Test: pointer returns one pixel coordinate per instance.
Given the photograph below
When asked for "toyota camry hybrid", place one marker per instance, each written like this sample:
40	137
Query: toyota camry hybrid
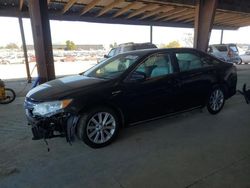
126	89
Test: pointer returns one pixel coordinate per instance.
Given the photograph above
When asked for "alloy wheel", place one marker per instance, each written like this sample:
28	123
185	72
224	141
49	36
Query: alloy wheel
101	127
216	100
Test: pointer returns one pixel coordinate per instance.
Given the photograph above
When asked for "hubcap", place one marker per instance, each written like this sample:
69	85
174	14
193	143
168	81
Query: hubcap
216	100
101	127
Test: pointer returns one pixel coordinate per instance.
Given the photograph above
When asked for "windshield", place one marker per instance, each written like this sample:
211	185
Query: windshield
113	67
234	48
222	48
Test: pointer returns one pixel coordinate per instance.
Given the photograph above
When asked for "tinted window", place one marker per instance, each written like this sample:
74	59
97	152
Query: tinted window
188	61
210	50
144	46
112	67
156	65
234	48
127	48
208	61
222	48
112	52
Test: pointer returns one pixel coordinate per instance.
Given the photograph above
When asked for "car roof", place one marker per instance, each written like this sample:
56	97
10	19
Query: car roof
229	44
135	44
156	50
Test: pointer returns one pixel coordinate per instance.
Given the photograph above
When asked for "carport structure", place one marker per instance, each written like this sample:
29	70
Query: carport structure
202	15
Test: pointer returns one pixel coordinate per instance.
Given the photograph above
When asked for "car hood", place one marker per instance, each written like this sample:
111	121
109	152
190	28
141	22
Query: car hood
60	88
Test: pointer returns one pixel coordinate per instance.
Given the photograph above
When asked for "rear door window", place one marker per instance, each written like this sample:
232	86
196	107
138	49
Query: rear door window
188	61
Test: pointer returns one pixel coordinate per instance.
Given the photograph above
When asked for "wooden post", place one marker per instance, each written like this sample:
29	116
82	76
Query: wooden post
42	40
24	49
204	18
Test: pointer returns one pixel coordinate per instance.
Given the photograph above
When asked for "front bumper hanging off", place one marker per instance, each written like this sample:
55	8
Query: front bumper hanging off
58	125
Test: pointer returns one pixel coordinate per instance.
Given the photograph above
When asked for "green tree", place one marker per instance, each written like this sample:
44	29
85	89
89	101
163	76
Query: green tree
70	45
173	44
11	46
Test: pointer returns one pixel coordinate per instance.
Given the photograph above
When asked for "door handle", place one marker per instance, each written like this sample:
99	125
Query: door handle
116	92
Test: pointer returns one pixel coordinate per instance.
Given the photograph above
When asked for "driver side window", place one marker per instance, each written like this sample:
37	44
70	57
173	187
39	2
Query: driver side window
156	66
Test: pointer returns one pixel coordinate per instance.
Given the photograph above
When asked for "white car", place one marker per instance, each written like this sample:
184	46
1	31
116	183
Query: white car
14	59
226	52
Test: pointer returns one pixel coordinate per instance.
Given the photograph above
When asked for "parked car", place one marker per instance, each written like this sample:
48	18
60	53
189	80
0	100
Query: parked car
126	47
247	52
129	88
14	59
226	52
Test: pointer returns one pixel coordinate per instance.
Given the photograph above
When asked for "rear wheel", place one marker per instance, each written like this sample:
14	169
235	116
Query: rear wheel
239	62
10	96
99	127
216	100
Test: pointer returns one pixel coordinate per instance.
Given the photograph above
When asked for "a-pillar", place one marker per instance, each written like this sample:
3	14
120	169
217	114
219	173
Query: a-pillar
42	40
204	18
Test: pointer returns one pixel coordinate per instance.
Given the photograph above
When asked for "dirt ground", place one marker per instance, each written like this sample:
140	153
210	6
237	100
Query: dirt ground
193	149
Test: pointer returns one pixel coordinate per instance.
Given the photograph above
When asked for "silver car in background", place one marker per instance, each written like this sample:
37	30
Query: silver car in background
226	52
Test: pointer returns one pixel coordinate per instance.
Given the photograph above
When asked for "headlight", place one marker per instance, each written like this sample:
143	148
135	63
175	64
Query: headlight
50	108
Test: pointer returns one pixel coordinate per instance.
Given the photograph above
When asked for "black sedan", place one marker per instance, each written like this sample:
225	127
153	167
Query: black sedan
127	89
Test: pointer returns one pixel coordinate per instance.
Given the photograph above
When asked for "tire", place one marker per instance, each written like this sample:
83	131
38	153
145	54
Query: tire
10	96
216	100
96	134
240	62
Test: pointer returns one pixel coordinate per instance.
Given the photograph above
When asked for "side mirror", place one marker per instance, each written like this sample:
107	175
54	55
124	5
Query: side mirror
137	76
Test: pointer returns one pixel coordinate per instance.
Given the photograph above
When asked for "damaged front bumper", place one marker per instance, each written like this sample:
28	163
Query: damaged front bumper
62	124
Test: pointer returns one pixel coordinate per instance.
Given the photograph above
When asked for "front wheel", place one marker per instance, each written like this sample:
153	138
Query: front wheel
239	62
10	96
99	127
216	100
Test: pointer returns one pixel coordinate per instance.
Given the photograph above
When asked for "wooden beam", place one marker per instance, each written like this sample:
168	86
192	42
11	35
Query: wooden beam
174	11
239	20
242	24
179	15
88	7
21	5
109	7
141	10
125	9
157	11
236	23
224	17
228	19
219	15
68	5
188	20
183	18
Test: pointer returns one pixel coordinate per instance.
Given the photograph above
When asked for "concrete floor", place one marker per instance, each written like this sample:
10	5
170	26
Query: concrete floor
193	149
